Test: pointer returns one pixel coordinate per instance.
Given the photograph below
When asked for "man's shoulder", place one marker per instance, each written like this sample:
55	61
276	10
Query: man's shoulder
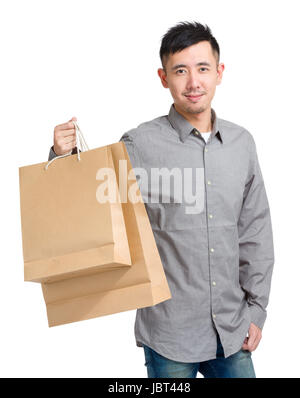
153	126
235	131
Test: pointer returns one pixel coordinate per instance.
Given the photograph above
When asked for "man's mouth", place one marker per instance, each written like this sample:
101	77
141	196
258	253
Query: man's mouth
194	97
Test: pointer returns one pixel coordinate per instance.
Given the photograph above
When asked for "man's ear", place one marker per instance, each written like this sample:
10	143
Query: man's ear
221	68
163	77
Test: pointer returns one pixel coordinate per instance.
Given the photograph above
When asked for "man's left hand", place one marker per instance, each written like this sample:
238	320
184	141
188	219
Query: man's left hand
251	342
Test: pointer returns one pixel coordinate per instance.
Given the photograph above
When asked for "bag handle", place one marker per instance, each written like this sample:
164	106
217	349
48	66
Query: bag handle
80	142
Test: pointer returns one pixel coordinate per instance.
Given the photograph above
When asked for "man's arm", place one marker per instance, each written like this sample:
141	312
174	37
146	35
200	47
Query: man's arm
131	148
255	242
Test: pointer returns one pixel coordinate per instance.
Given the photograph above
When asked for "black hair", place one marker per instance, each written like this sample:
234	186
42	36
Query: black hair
184	35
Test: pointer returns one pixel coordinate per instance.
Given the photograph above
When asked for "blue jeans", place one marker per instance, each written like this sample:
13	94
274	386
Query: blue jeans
236	365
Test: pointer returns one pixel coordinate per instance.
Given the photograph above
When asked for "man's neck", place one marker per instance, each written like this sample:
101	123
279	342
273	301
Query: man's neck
201	121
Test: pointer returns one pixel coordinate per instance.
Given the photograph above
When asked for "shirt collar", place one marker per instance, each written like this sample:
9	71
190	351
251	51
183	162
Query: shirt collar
185	128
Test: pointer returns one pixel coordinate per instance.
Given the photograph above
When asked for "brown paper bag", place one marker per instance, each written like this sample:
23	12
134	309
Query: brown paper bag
65	231
88	295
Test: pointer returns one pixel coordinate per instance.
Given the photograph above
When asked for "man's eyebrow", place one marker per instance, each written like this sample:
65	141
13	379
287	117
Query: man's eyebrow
185	66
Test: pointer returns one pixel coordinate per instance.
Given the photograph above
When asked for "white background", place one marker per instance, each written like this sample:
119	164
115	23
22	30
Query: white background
98	61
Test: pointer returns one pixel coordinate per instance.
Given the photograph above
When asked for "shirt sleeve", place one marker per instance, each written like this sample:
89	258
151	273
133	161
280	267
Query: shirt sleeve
131	149
256	251
52	154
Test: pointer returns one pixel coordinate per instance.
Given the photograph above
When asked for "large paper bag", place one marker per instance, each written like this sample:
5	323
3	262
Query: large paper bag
89	295
65	230
141	285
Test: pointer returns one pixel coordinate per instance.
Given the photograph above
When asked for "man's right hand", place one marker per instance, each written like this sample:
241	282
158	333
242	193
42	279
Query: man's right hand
64	137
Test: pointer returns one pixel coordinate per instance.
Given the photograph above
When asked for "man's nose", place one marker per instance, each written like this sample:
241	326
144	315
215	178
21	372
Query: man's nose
193	81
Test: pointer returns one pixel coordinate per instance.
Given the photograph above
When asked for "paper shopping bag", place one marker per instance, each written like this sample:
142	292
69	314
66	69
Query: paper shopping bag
143	284
65	230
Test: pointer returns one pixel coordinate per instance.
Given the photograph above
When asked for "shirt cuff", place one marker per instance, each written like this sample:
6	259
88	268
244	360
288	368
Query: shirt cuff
258	315
52	154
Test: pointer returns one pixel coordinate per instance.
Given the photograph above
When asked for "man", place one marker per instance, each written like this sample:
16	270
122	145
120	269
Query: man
218	261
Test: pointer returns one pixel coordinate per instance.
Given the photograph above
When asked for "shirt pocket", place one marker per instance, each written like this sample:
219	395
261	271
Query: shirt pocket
174	216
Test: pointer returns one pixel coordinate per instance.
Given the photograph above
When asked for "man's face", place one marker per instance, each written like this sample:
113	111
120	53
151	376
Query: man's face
192	72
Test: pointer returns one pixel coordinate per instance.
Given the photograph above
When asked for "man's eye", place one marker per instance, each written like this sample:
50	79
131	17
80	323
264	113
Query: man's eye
182	70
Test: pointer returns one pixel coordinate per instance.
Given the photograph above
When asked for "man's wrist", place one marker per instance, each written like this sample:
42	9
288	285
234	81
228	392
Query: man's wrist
257	315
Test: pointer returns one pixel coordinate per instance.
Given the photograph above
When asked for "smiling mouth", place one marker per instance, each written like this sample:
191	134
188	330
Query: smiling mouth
194	97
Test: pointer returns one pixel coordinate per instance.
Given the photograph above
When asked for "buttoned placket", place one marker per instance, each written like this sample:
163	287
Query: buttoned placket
209	217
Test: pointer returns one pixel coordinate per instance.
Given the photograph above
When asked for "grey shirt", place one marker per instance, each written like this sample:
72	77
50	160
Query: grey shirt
218	261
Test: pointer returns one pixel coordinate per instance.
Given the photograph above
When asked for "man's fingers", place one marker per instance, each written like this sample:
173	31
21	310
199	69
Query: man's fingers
251	342
69	146
245	345
251	339
66	133
69	139
65	137
256	342
65	126
68	125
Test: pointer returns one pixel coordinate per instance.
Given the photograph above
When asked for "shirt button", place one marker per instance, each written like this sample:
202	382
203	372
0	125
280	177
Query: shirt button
196	132
214	315
214	283
212	250
210	216
208	182
206	150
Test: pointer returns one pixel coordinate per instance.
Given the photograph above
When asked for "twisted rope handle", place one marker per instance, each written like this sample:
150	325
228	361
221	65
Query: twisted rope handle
80	142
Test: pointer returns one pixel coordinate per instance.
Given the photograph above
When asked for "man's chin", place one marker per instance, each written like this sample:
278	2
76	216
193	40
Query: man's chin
191	109
194	110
